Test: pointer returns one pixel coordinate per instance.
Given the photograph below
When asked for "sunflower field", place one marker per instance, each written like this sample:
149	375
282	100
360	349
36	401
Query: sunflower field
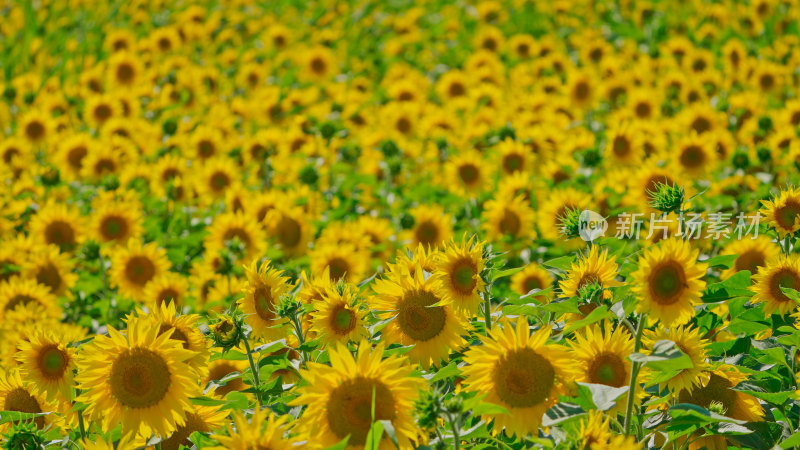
397	224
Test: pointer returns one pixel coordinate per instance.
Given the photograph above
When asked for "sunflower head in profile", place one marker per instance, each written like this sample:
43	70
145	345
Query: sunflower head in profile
46	361
338	316
767	283
265	286
140	380
783	212
16	395
431	226
690	341
669	282
346	397
595	267
521	372
135	265
719	387
458	272
409	301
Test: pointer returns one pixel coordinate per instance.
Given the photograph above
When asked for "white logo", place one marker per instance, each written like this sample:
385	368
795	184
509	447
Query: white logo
591	225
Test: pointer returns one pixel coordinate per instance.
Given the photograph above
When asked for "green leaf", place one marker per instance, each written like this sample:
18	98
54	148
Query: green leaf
14	416
341	445
791	293
724	261
562	263
775	398
200	440
560	413
693	414
488	408
792	441
447	371
597	315
736	286
603	397
496	275
374	435
236	400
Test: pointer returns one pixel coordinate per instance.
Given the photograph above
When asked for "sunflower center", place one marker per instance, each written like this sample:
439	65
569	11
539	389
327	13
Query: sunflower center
403	125
427	233
61	234
667	283
581	91
350	408
468	173
510	223
289	233
343	319
417	319
338	268
318	66
766	81
701	125
113	227
140	270
48	275
75	156
718	390
219	372
786	215
587	279
102	113
238	233
456	89
205	148
622	146
194	422
513	162
750	260
219	181
35	130
692	157
168	295
20	400
608	369
786	278
125	73
643	110
177	334
532	283
262	301
139	378
523	378
19	299
52	361
462	277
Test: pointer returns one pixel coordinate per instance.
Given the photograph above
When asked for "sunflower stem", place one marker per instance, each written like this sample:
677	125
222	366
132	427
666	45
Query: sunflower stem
253	368
637	343
487	312
81	425
454	426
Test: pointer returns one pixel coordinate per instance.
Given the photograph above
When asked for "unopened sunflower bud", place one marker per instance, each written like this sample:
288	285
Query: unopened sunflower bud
569	223
666	198
227	332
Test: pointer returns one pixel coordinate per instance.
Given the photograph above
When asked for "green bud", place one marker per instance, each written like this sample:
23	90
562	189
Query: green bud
666	198
569	222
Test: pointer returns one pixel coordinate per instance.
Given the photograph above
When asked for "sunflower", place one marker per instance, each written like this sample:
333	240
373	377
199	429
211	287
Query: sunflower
203	419
184	330
458	273
380	233
407	262
222	368
139	379
408	300
264	430
580	89
431	226
16	395
290	229
783	272
116	222
47	363
783	213
100	108
205	142
514	157
690	342
124	69
519	371
343	399
58	224
508	217
596	267
602	357
554	207
695	155
134	266
166	288
344	261
751	255
669	282
35	127
465	173
719	387
265	286
624	148
595	434
229	226
51	268
18	293
533	276
338	317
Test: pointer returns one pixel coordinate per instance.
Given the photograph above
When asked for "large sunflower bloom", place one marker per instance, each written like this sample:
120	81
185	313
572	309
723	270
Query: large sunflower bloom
782	273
